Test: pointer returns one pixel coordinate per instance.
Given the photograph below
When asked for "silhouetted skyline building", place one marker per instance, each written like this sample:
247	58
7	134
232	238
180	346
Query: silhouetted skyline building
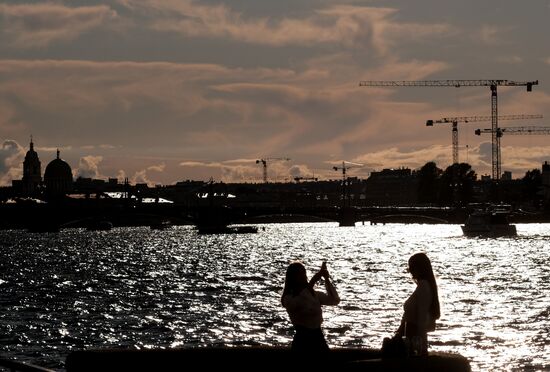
392	187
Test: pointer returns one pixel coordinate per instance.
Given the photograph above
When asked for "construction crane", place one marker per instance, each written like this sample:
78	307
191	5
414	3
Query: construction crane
528	130
471	119
343	168
264	163
493	84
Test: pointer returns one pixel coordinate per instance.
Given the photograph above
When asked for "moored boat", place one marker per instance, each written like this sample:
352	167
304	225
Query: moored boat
489	223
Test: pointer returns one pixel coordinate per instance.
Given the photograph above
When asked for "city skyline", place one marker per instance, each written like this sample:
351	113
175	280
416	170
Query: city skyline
163	91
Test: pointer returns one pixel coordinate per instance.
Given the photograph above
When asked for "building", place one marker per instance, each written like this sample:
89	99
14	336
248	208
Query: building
391	187
506	176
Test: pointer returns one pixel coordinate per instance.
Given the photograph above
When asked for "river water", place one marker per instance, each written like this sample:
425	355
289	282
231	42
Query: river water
142	288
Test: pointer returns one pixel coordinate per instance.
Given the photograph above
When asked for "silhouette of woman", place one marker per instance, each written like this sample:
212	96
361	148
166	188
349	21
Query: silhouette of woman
303	304
421	309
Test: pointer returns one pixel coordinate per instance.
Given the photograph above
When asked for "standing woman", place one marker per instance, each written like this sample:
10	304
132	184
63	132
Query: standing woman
303	304
422	307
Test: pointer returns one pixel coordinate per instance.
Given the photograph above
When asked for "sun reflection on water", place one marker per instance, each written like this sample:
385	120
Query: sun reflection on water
173	288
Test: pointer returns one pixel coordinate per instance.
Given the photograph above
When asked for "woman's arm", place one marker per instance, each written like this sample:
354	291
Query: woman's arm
323	272
331	296
314	279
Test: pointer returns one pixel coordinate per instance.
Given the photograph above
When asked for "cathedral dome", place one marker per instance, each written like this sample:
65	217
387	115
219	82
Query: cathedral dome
58	168
58	176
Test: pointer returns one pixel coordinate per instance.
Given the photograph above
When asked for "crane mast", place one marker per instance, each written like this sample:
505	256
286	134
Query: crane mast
493	84
264	164
471	119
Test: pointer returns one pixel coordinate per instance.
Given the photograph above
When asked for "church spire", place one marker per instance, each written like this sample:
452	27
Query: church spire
58	153
32	144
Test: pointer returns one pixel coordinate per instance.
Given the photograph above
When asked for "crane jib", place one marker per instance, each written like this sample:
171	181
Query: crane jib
446	83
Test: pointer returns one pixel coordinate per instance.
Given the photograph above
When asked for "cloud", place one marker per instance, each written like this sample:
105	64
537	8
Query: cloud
11	162
144	176
239	173
192	20
396	158
189	101
237	170
301	171
88	167
351	26
102	85
38	25
519	159
121	175
245	170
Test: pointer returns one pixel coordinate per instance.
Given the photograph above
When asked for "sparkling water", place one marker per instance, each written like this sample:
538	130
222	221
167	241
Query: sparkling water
142	288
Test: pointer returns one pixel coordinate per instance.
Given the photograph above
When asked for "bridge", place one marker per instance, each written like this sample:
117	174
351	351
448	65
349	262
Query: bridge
45	217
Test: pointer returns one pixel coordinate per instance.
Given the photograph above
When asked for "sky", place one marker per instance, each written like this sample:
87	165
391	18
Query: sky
161	91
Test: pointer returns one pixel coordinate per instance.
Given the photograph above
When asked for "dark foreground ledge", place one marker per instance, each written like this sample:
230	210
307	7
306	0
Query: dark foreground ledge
256	359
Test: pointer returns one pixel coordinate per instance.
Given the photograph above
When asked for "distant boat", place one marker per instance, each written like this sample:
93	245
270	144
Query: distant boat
489	223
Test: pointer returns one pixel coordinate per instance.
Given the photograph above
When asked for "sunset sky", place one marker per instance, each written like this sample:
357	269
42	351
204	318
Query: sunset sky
161	91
